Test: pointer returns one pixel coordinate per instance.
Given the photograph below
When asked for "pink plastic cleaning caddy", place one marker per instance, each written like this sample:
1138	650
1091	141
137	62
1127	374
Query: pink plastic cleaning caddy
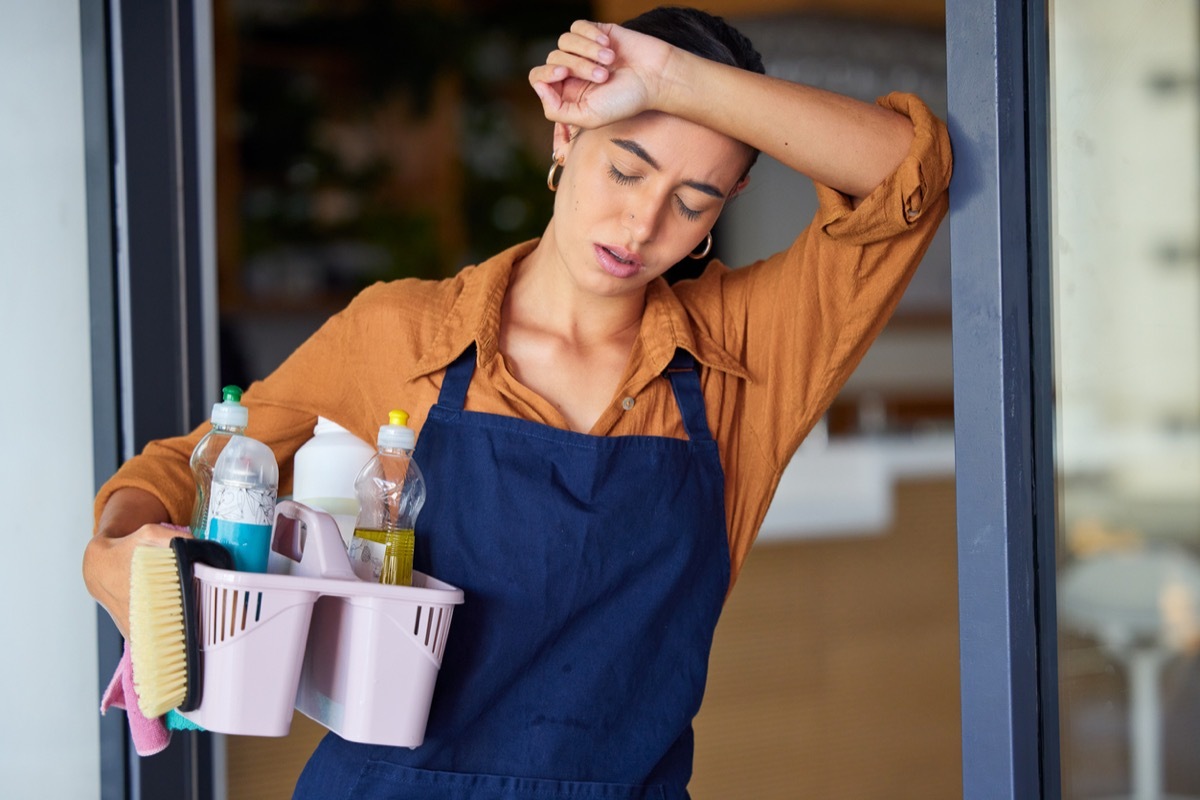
359	658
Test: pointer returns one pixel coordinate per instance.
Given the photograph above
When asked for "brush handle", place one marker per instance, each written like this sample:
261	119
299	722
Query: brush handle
188	553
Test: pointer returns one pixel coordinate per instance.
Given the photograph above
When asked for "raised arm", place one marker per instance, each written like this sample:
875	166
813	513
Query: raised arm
601	73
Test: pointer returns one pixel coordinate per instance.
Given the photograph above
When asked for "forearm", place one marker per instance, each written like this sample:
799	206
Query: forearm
127	510
838	141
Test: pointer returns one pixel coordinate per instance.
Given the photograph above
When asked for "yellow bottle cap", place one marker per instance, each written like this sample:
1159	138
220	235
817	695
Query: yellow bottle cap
396	434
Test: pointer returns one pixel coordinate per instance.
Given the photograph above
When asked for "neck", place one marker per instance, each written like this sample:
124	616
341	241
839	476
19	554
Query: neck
544	294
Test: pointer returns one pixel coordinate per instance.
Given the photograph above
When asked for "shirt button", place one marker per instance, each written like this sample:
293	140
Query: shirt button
627	403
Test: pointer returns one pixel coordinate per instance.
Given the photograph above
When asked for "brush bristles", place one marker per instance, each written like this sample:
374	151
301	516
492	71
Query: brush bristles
157	640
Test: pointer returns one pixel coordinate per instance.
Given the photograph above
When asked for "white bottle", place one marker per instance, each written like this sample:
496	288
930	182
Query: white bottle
325	468
242	510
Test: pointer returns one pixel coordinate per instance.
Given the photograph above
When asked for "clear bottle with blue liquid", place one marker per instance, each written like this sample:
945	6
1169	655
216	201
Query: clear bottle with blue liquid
241	510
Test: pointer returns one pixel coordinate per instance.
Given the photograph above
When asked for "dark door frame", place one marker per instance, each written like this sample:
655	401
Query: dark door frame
149	332
997	79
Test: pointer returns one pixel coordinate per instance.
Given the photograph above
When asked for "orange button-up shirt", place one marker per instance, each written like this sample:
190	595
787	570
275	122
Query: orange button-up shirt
775	341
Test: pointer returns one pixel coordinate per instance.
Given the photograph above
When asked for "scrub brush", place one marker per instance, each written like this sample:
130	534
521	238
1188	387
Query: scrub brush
163	623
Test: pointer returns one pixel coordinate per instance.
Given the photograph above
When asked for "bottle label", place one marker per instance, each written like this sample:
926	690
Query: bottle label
240	517
366	556
239	503
383	556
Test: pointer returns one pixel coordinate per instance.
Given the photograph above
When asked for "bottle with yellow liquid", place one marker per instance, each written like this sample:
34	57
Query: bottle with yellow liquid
391	491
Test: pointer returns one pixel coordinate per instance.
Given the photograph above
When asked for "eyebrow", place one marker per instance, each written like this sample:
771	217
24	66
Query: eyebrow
636	149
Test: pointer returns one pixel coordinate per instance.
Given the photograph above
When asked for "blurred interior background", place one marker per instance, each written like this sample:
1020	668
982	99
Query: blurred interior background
380	139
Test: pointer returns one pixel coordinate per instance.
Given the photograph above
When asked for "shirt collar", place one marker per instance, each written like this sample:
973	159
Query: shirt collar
474	317
666	326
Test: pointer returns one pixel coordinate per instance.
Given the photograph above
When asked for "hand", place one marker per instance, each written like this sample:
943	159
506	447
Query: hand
113	560
601	73
131	518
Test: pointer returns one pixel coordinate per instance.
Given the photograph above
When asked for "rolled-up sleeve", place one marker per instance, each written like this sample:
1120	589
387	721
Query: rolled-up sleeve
901	201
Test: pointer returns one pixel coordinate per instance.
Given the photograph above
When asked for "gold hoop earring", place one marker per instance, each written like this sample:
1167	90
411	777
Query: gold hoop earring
555	175
705	251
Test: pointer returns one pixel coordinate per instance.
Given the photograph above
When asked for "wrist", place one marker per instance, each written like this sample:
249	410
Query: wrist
96	568
676	83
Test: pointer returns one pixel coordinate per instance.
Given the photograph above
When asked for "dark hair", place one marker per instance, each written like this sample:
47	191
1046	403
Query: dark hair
700	33
703	34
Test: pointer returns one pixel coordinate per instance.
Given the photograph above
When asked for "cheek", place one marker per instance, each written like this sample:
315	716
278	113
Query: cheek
585	201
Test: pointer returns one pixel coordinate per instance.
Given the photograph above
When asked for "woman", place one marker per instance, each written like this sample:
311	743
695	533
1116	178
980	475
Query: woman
600	447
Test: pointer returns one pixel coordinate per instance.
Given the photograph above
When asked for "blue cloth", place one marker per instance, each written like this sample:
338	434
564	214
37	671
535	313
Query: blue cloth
594	570
178	722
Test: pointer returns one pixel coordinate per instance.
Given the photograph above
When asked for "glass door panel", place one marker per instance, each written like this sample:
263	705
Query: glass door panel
1125	167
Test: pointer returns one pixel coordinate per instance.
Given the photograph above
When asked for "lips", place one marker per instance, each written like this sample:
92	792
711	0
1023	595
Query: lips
617	261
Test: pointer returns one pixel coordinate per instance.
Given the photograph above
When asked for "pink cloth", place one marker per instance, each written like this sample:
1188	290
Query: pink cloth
150	736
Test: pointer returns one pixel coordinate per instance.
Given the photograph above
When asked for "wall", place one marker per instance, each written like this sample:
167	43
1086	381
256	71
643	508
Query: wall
49	745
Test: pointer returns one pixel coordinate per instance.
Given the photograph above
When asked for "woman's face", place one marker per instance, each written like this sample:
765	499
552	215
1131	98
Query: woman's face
637	196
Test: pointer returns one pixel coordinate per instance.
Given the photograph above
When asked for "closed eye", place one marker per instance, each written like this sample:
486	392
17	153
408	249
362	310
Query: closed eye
620	177
690	214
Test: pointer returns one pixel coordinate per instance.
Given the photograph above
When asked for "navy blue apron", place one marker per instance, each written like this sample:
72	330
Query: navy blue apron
594	570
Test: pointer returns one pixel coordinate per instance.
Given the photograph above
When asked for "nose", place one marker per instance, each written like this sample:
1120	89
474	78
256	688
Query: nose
643	215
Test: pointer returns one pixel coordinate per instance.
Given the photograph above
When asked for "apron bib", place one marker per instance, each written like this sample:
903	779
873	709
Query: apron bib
594	570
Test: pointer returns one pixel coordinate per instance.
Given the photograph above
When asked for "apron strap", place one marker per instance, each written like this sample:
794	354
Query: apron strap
456	380
685	381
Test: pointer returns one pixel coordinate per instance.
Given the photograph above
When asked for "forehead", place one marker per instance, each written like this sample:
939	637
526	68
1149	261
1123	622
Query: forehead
681	148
